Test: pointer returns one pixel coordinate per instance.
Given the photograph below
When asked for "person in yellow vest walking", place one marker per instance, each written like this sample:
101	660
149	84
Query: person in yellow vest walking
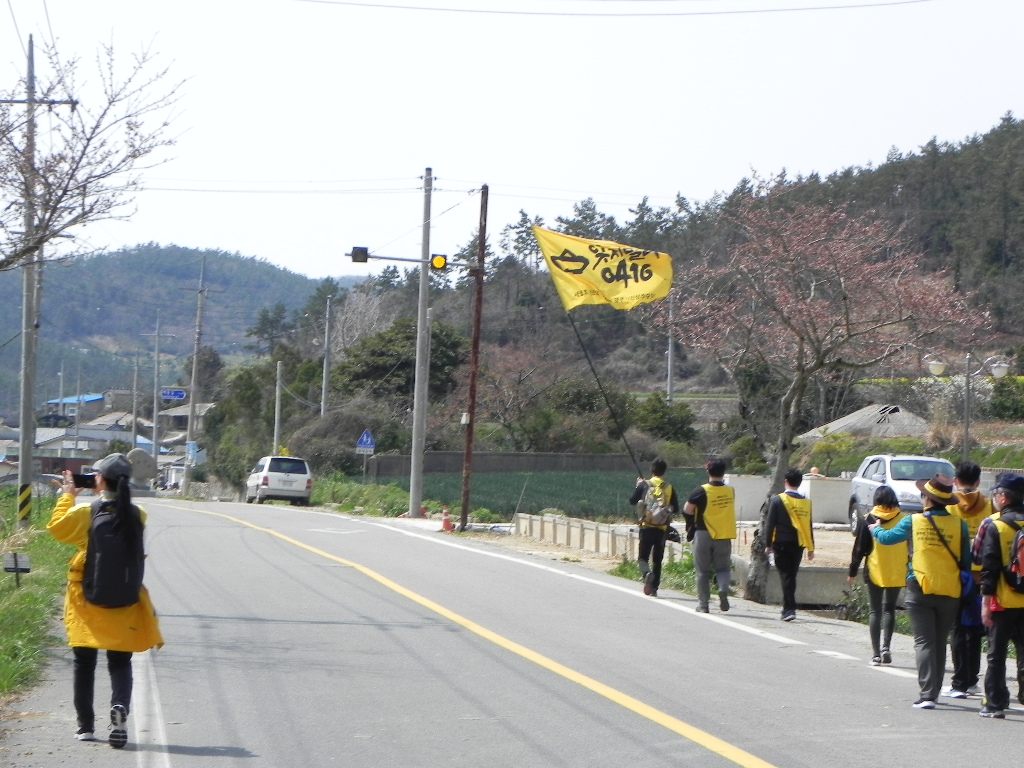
885	571
1002	606
710	514
788	532
965	645
939	551
656	504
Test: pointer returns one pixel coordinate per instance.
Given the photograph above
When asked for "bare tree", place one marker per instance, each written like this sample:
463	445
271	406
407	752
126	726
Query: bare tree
90	154
804	292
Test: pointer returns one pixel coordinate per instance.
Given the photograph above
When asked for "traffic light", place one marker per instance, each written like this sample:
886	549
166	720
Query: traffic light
438	261
360	255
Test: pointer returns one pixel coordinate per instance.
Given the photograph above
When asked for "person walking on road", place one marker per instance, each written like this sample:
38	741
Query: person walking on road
965	644
939	551
885	571
1002	607
710	514
92	627
788	532
656	504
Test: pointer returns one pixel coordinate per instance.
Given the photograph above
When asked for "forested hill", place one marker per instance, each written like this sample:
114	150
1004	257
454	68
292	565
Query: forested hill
108	302
962	203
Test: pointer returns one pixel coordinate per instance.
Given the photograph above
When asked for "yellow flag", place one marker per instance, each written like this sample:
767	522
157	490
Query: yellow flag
603	272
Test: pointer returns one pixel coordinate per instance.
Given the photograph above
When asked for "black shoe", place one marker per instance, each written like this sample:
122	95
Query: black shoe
649	584
118	733
723	602
788	615
995	714
702	608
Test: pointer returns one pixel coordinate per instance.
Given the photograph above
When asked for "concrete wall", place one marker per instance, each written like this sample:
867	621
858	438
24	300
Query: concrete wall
829	495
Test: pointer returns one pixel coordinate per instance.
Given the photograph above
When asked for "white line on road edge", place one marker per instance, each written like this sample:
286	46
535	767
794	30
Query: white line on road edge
631	591
838	655
148	716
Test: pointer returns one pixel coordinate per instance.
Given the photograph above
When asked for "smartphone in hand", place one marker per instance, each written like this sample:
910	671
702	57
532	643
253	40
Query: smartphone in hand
84	481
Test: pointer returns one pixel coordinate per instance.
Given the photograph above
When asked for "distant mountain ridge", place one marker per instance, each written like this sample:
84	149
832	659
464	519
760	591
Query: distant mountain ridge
108	304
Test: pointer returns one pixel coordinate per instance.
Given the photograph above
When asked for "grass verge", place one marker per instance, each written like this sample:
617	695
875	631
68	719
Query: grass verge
27	612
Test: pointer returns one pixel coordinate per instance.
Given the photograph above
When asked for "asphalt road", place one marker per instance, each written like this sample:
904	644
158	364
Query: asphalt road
298	637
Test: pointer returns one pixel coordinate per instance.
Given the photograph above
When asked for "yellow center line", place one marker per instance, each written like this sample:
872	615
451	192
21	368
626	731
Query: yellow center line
712	743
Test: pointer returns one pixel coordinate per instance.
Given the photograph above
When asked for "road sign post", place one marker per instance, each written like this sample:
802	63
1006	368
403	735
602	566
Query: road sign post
365	447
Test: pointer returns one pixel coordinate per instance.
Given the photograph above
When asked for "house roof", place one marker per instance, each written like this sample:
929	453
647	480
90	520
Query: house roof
74	399
873	421
121	419
182	410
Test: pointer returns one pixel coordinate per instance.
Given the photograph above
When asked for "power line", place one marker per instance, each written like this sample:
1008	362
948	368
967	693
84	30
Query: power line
655	14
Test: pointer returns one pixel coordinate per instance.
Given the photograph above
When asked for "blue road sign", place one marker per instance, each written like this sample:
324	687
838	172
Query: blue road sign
173	394
366	444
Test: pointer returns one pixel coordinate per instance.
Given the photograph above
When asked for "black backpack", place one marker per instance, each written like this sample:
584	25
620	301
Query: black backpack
114	558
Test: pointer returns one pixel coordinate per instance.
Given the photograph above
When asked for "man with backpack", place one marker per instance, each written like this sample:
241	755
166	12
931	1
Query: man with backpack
105	606
788	532
710	513
656	504
1002	588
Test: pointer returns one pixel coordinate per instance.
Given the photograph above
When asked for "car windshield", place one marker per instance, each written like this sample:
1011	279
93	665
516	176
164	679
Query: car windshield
292	466
919	469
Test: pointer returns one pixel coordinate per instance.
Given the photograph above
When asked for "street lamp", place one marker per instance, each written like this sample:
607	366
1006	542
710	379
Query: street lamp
997	366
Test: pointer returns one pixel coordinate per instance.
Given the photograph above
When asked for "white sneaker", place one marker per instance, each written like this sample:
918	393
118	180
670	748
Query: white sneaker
924	704
84	735
118	732
952	693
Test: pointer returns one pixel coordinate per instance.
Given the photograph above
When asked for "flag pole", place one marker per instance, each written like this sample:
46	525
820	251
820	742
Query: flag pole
607	402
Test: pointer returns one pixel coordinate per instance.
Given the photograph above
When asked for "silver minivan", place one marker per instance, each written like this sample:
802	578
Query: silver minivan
285	478
900	473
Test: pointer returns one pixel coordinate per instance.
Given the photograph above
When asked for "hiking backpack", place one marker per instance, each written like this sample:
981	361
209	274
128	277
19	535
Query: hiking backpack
1014	572
113	560
656	504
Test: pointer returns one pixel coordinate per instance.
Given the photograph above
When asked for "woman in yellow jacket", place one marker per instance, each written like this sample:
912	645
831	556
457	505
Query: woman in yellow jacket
885	571
118	631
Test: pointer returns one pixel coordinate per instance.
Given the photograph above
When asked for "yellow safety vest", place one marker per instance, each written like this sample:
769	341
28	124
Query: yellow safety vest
973	519
800	515
887	563
935	570
720	513
1008	598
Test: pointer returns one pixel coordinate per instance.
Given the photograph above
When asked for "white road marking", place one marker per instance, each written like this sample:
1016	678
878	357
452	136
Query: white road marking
896	672
147	716
838	655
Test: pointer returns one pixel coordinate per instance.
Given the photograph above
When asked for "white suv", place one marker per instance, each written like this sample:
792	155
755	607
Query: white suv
285	478
900	473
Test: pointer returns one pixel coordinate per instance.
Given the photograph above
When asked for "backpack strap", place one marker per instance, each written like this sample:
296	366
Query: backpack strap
942	538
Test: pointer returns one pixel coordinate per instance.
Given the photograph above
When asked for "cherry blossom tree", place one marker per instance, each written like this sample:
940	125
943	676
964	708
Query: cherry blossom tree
803	292
84	165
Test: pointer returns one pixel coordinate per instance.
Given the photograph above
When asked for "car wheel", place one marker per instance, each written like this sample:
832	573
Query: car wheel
854	519
259	499
249	499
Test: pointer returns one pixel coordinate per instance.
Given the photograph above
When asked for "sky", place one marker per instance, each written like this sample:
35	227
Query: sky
304	127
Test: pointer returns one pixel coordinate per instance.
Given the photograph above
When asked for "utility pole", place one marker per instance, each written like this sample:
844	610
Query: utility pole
78	400
277	412
60	404
156	392
327	360
135	403
193	391
32	272
419	407
474	360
